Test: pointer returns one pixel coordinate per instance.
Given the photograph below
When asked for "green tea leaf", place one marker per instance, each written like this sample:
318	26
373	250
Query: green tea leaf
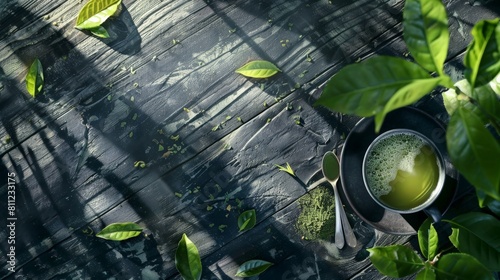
288	169
252	268
365	88
474	151
395	260
120	231
482	59
428	239
187	259
477	234
34	78
425	31
426	274
405	96
95	12
100	32
247	220
459	266
258	69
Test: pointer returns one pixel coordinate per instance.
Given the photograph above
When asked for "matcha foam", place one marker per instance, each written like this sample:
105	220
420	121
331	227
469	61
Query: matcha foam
396	152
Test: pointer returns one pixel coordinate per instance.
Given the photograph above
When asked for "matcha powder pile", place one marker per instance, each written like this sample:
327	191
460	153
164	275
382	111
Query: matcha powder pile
317	214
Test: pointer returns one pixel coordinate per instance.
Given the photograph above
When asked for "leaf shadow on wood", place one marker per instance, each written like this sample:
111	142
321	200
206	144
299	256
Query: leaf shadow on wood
124	37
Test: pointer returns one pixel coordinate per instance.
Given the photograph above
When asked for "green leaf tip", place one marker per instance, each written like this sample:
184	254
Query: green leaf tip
120	231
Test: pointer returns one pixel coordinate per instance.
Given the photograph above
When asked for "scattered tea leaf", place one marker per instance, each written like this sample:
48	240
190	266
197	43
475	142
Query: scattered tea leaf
120	231
247	220
258	69
95	12
187	259
252	268
288	169
160	148
140	164
34	78
222	228
178	194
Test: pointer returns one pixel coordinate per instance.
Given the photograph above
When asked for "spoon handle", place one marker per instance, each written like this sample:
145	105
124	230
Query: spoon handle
350	238
348	232
339	235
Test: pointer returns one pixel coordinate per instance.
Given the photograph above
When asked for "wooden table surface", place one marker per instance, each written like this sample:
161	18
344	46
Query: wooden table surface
163	90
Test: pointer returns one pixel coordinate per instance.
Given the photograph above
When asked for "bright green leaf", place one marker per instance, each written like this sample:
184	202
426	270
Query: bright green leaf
95	12
100	32
425	30
482	58
187	259
120	231
474	151
428	239
396	260
258	69
406	95
477	234
34	78
459	266
365	88
247	220
426	274
252	268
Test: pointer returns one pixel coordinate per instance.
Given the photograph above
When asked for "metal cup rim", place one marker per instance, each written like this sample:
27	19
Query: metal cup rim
442	175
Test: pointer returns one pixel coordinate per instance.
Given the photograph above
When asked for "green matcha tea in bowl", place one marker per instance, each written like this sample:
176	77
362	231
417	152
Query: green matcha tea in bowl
403	171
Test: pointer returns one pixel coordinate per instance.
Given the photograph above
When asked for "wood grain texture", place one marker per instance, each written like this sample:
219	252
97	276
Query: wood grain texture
163	90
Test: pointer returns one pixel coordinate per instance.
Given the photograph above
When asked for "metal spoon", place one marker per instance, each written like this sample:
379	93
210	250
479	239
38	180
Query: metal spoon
331	171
